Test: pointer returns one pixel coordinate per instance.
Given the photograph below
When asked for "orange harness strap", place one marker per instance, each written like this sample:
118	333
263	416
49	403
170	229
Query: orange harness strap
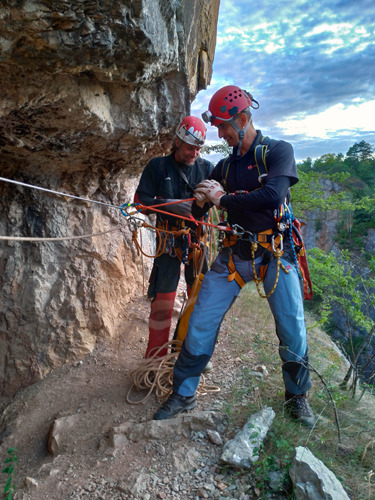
234	274
264	239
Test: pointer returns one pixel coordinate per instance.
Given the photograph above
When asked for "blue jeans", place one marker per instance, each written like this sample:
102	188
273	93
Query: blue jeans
216	296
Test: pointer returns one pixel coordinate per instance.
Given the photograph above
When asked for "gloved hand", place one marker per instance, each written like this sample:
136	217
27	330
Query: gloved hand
209	190
182	208
200	198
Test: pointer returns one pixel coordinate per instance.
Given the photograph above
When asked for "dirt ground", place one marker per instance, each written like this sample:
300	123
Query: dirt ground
93	392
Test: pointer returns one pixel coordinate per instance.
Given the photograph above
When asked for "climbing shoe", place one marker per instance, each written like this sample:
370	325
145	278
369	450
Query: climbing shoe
174	405
298	408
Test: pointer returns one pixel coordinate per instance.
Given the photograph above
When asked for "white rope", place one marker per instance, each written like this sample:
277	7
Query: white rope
58	193
21	238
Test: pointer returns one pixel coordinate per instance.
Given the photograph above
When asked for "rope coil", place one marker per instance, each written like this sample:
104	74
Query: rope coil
155	374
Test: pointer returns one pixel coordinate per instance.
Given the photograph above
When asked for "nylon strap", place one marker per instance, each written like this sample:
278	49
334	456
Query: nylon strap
260	152
234	274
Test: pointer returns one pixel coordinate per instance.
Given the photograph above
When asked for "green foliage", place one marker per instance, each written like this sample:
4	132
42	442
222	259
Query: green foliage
222	148
276	457
309	183
341	286
9	470
360	151
355	200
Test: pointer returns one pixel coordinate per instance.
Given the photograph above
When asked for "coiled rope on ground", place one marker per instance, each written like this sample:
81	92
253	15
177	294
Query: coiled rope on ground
155	374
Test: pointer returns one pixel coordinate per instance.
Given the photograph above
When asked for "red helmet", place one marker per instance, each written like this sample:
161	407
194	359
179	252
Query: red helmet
192	130
226	103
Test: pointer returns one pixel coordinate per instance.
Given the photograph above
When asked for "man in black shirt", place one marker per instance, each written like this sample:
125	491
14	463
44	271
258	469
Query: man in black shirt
166	179
254	190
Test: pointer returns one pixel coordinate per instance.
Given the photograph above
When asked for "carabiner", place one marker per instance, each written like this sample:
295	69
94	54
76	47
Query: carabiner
238	230
281	243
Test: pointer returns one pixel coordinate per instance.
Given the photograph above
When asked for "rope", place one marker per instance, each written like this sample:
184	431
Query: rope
122	208
136	222
59	193
162	241
258	280
21	238
190	219
156	374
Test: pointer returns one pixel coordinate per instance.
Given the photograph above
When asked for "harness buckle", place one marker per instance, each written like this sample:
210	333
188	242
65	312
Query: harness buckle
281	226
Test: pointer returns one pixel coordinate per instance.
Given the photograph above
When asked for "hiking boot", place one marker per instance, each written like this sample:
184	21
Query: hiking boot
299	409
208	367
174	405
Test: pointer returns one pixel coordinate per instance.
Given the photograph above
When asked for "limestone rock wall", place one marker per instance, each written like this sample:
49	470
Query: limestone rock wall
90	91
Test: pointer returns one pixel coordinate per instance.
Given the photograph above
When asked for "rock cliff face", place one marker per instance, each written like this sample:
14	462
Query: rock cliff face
90	91
321	229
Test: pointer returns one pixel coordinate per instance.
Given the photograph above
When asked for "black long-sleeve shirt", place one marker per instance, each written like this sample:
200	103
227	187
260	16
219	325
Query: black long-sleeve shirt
254	210
161	181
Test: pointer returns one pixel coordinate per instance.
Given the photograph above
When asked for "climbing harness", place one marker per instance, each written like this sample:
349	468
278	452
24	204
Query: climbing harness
272	243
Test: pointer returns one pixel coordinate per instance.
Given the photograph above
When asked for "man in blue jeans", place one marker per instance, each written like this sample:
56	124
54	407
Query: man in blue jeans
252	195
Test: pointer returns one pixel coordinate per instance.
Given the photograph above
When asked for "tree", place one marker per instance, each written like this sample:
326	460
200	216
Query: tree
344	288
305	165
222	148
360	151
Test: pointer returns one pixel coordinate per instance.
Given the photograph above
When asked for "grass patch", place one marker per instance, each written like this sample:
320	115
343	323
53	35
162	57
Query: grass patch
350	454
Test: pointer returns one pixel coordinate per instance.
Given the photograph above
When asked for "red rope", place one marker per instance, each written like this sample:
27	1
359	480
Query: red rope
190	219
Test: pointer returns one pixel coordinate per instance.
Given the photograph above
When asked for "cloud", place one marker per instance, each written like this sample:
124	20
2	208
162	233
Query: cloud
351	119
310	65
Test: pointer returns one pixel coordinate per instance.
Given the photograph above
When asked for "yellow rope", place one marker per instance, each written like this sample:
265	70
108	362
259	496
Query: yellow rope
156	374
277	254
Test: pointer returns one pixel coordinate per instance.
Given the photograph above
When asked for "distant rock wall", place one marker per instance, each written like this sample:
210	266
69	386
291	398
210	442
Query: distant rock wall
90	91
321	229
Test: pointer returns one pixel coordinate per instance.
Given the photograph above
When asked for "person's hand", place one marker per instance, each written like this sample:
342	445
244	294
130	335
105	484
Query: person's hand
209	190
200	198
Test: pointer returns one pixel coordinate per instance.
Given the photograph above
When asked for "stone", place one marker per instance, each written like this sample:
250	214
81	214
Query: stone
156	430
312	480
214	437
31	483
136	483
243	450
60	433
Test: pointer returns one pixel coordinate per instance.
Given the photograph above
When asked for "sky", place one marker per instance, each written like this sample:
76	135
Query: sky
310	65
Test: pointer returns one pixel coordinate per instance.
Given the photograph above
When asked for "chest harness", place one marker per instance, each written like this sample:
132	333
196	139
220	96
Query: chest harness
271	240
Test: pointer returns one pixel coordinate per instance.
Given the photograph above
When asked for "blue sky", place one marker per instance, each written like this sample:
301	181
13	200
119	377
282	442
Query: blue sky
310	65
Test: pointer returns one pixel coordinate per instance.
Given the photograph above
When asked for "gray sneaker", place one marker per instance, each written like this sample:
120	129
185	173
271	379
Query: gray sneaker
298	408
174	405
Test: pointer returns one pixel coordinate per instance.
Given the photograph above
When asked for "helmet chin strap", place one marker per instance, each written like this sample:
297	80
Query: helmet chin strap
241	134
